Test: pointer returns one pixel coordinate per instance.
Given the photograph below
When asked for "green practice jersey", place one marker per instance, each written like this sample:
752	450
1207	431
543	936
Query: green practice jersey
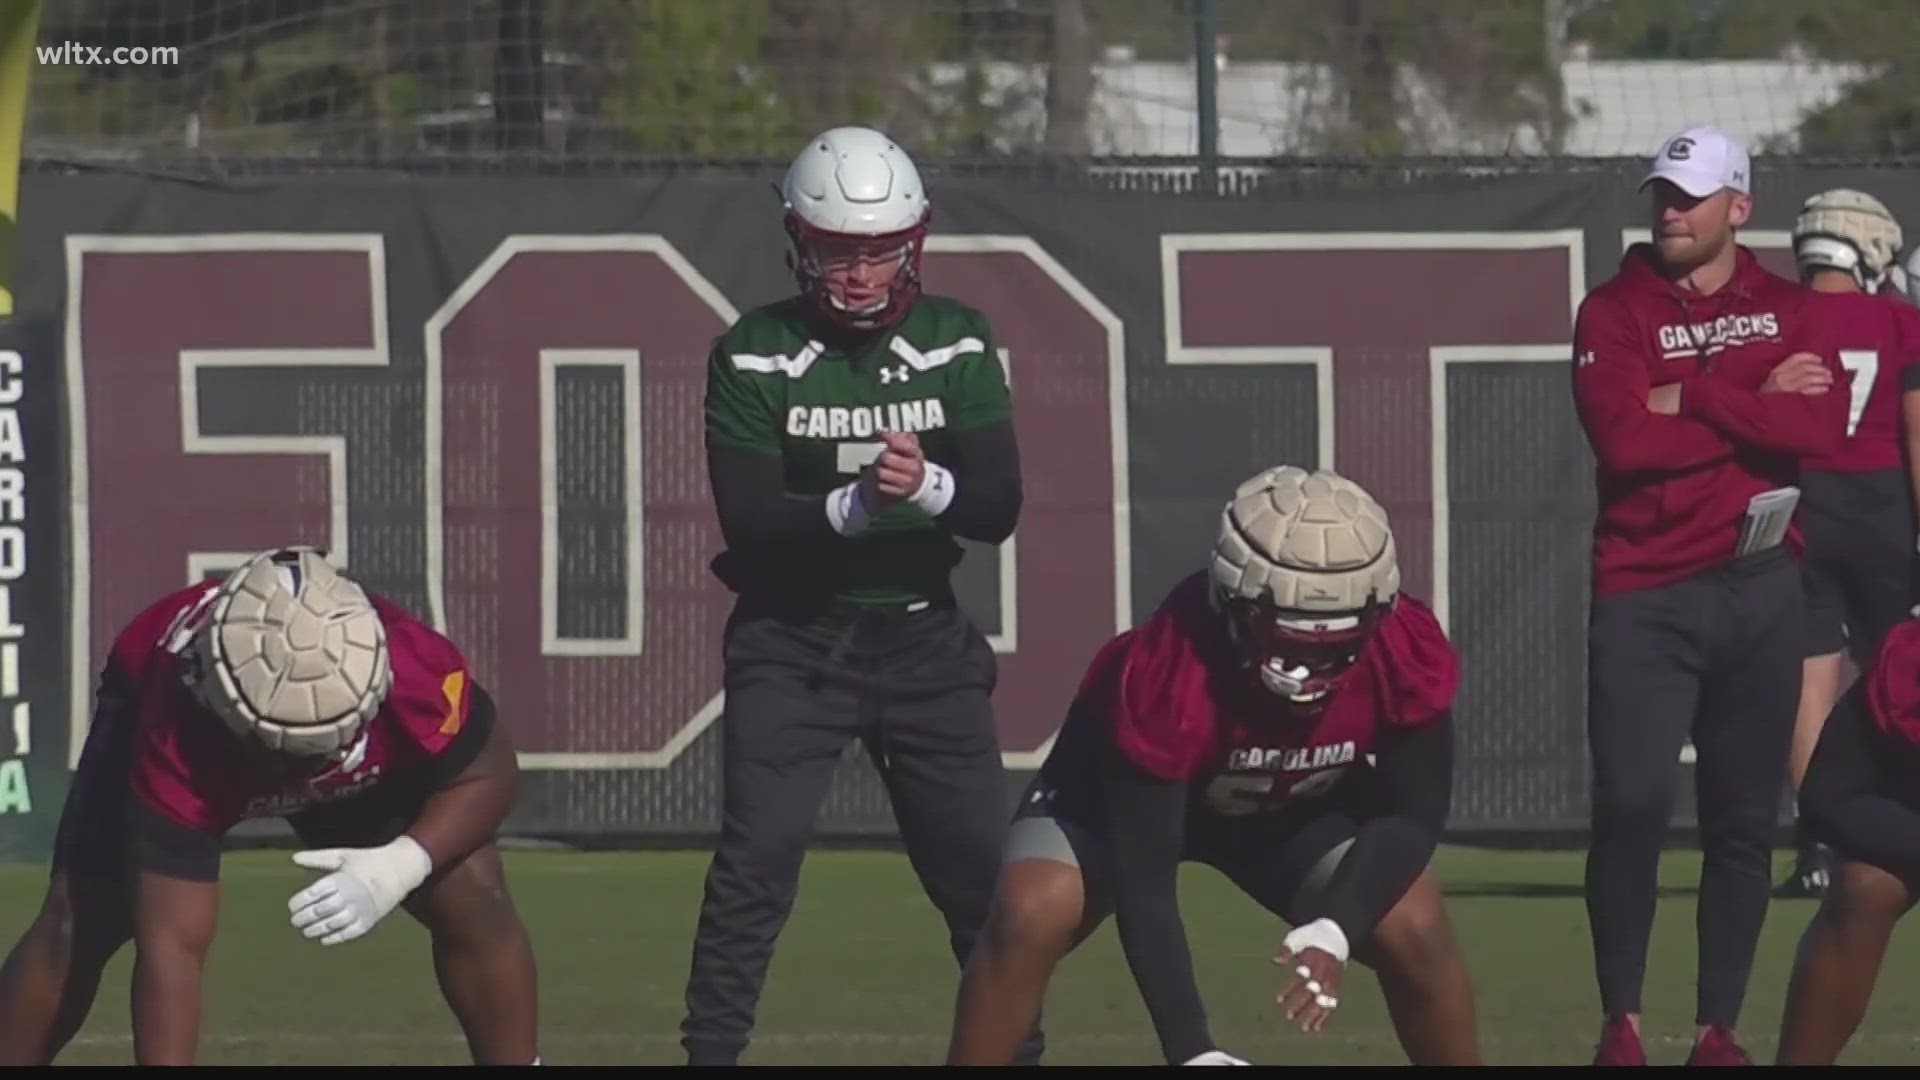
773	388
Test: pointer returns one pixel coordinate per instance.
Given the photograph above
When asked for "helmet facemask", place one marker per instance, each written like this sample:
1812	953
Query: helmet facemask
832	269
1299	656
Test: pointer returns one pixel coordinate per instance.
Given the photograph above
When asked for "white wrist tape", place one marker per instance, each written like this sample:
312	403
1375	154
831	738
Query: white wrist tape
846	511
935	493
1322	934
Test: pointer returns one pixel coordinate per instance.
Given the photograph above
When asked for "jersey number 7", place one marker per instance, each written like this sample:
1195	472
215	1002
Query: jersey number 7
1864	366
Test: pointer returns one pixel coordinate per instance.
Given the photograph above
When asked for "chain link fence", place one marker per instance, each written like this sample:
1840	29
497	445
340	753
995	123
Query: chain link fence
581	84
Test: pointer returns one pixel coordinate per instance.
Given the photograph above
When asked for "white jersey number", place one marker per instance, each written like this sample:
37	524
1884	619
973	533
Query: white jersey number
1864	366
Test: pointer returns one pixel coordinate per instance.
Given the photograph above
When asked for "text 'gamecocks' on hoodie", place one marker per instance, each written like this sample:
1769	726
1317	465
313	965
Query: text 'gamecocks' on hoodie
1673	490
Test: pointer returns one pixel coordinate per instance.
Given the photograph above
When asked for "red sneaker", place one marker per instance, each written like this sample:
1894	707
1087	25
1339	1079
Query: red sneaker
1718	1047
1619	1044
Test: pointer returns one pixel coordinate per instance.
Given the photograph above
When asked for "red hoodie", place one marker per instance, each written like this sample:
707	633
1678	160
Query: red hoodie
1673	490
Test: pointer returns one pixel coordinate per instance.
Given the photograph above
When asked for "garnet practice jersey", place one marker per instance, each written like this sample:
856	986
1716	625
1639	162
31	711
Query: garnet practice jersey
191	769
1172	694
1893	689
773	387
1878	338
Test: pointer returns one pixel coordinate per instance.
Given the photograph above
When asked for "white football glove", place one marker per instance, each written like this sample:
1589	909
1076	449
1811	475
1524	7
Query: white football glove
1216	1057
365	886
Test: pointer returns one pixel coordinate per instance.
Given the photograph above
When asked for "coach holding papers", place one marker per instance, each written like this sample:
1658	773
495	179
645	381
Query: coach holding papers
1699	382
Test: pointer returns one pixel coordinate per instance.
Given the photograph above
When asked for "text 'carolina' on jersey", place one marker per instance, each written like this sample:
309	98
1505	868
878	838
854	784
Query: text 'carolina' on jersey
1170	694
777	386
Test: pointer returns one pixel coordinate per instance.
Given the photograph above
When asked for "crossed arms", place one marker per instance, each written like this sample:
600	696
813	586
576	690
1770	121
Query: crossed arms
1701	419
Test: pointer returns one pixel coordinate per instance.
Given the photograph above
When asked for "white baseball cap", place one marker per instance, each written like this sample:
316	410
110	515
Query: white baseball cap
1702	160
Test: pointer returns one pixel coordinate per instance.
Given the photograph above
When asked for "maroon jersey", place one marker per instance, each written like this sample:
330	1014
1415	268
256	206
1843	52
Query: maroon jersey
1878	339
191	769
1180	704
1673	490
1893	685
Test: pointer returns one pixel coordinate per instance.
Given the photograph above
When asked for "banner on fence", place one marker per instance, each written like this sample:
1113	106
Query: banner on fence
412	371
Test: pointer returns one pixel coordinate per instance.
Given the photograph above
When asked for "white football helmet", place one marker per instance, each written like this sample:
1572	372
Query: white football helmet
854	194
291	654
1847	230
1303	571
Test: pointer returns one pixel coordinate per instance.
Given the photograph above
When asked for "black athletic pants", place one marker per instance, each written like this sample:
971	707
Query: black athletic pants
1716	656
914	688
1860	564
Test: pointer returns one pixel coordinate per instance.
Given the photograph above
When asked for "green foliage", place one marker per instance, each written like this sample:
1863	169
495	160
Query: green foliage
257	75
1744	29
692	81
1667	29
727	78
1487	67
1879	117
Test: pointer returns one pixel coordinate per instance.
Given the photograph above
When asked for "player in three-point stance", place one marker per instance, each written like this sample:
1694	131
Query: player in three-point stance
284	690
1861	797
1233	728
1856	499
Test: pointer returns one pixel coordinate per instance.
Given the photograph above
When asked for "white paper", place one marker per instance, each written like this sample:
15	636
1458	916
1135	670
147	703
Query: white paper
1768	515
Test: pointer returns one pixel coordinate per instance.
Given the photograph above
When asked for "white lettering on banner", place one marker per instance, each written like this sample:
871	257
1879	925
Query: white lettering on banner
635	690
15	796
1381	376
15	793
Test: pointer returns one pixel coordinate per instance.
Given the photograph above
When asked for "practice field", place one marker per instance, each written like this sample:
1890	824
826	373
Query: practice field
863	976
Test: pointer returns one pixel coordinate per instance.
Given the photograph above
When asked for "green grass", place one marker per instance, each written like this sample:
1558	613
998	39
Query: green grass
862	975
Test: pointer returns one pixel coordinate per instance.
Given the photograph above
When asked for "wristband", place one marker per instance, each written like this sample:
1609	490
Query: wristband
935	493
847	511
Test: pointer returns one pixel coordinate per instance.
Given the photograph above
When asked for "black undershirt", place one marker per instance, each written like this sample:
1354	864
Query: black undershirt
768	531
1146	819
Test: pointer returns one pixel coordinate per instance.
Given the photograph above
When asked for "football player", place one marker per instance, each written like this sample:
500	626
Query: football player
1857	500
856	431
1861	796
284	690
1285	716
